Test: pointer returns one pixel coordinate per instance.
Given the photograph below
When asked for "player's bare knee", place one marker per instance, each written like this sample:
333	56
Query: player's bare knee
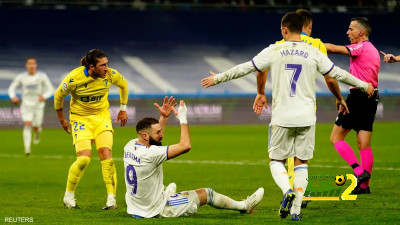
333	140
104	153
87	152
298	161
202	193
282	161
28	123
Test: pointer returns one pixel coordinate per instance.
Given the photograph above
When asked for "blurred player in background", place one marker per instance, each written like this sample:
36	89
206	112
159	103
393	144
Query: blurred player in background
390	58
90	120
294	66
365	63
36	88
143	158
261	99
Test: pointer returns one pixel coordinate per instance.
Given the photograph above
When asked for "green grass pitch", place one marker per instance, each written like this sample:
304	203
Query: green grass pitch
230	159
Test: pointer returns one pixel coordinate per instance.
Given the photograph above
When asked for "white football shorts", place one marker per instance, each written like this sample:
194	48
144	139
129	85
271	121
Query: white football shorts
286	142
184	203
35	115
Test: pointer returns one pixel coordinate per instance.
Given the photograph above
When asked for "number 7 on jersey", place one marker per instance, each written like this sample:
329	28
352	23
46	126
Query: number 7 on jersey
295	76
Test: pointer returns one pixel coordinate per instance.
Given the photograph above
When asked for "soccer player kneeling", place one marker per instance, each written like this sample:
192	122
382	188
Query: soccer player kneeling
143	158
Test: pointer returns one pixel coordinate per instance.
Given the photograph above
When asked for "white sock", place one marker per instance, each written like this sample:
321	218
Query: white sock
69	194
280	175
27	136
112	196
220	201
299	184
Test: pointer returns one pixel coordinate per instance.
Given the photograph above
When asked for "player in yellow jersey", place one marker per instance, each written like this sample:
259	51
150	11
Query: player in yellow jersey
90	120
261	100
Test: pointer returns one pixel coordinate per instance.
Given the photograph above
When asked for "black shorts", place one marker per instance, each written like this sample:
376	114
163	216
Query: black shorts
362	111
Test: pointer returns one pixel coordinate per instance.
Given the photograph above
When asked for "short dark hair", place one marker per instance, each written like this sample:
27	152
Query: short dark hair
364	23
145	123
306	16
92	57
293	22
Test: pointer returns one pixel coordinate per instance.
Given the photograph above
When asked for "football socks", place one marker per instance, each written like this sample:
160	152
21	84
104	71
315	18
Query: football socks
300	186
220	201
76	172
27	136
367	161
290	162
280	175
347	154
109	176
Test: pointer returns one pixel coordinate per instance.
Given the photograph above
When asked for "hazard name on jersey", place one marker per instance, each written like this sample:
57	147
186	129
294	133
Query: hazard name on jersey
288	52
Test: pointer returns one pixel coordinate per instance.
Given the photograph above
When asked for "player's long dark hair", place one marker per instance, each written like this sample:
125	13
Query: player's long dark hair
92	57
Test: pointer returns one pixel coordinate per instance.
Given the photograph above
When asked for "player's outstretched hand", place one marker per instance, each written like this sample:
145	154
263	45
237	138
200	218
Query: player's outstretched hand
341	106
181	114
370	90
167	107
123	116
259	103
208	81
15	100
389	58
65	126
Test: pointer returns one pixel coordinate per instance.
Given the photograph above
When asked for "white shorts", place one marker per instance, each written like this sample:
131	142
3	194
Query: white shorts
184	203
286	142
35	115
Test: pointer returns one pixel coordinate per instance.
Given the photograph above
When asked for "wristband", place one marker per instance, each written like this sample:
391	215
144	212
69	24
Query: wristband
183	120
122	108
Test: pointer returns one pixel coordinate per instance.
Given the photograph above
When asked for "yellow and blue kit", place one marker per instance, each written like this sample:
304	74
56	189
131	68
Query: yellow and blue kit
315	42
89	115
89	95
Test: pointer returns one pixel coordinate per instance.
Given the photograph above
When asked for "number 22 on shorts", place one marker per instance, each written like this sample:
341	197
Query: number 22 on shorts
78	126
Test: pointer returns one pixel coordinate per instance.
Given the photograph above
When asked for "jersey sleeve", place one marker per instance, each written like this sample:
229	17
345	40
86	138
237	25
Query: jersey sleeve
158	154
355	49
119	81
13	86
65	88
321	47
49	87
262	61
324	65
281	41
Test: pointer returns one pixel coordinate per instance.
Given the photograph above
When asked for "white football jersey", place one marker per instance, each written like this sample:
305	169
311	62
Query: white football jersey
145	194
293	66
33	86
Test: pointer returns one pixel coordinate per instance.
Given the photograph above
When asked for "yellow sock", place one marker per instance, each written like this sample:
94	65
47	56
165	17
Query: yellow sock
109	175
76	172
291	171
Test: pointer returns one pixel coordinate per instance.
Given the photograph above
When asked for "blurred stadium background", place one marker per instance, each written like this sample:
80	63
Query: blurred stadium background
166	47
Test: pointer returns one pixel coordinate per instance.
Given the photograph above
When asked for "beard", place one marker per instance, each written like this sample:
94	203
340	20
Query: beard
154	142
